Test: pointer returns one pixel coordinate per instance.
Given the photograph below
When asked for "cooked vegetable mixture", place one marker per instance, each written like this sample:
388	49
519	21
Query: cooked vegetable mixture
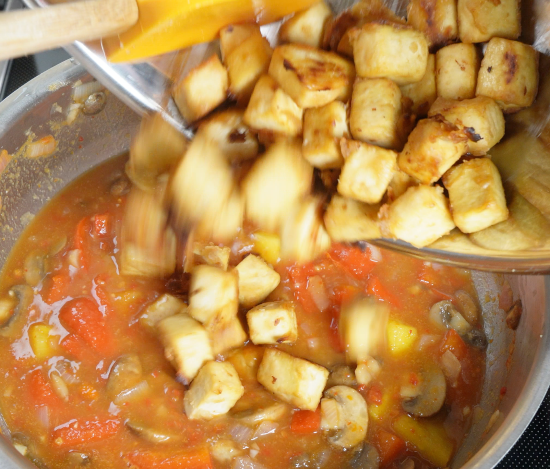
361	358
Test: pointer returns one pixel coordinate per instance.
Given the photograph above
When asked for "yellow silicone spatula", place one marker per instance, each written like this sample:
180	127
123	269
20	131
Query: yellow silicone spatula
28	31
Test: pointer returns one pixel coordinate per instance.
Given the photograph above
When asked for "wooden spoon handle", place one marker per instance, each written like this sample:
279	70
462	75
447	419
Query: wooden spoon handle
28	31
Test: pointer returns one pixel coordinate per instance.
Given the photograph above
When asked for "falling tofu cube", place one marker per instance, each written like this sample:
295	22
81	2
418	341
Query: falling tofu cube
213	255
256	280
401	337
419	217
186	344
323	128
432	148
293	380
270	109
213	292
307	26
481	119
376	112
348	220
275	183
310	76
165	306
273	323
481	20
509	74
246	63
367	171
222	226
422	93
233	35
390	51
435	18
202	90
456	69
476	195
214	391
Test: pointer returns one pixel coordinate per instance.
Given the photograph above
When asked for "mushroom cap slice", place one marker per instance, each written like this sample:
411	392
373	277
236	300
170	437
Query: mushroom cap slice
444	314
433	389
366	457
353	416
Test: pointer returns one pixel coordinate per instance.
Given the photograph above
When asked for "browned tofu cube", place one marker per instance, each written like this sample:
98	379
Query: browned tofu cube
307	26
376	112
272	110
419	217
323	128
476	195
456	69
422	93
481	20
509	74
235	34
432	148
399	184
350	220
367	171
310	76
246	63
202	90
481	119
390	51
435	18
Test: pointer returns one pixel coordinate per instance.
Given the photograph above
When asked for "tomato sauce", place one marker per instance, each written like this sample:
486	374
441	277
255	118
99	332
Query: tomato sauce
75	315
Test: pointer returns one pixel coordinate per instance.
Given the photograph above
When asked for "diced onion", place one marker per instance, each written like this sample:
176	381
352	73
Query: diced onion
137	391
245	462
427	340
265	428
241	433
451	367
42	147
43	414
72	113
66	372
81	92
375	253
59	386
316	288
305	327
313	342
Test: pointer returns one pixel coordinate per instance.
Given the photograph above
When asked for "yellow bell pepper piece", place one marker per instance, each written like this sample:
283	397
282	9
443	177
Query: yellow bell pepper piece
380	411
400	337
429	439
167	25
268	246
39	338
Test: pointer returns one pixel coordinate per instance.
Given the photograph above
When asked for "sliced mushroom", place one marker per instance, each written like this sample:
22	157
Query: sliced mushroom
341	375
467	306
476	338
365	457
125	374
272	412
35	268
21	297
432	390
78	459
148	433
353	418
447	316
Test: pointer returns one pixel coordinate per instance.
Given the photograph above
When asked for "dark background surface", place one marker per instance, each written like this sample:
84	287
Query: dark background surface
532	451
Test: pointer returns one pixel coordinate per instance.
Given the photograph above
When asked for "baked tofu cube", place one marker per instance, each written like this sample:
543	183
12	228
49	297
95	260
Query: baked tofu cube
481	118
273	323
274	184
348	220
432	148
202	90
419	217
303	235
323	128
476	195
163	307
233	136
256	280
186	344
211	254
215	391
509	74
422	93
376	112
213	292
481	20
246	63
310	76
235	34
226	333
307	26
399	184
271	109
293	380
390	51
436	19
367	171
456	69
